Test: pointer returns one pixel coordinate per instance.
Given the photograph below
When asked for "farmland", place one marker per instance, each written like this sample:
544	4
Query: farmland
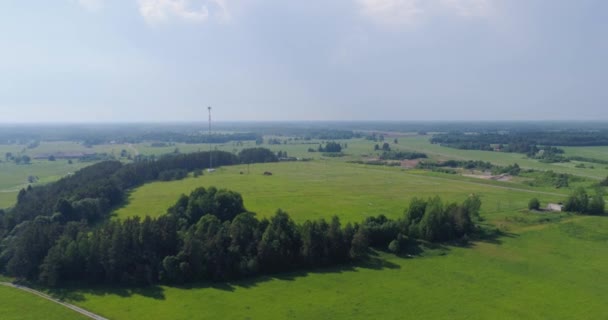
538	265
14	177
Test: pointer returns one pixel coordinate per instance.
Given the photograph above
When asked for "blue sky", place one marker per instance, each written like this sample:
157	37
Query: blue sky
166	60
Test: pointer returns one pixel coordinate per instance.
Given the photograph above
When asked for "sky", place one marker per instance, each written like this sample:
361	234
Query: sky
272	60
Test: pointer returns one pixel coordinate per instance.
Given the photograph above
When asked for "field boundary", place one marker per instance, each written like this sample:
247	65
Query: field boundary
82	311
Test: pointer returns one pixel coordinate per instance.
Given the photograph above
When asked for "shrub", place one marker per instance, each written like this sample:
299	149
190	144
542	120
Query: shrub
534	204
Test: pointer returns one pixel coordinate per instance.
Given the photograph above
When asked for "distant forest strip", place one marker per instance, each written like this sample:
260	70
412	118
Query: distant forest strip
103	134
521	141
537	145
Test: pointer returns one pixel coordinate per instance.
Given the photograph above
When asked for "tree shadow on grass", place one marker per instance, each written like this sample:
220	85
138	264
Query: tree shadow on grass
374	262
493	236
77	293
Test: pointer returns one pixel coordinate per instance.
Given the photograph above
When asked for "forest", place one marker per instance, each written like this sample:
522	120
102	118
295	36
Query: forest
521	141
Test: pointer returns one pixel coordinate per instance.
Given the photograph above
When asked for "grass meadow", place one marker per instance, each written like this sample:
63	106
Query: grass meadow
18	305
538	271
316	189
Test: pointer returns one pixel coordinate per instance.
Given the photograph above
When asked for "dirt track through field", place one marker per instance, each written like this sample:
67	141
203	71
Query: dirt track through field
83	312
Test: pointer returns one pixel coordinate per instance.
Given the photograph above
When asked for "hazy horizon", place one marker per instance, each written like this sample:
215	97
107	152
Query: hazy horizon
165	61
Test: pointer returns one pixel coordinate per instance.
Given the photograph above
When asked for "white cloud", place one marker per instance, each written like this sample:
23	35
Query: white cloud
196	11
391	12
468	8
91	5
411	12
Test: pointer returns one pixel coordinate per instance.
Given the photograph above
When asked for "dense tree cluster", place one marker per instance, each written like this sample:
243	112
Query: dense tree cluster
205	236
330	147
209	235
434	220
257	155
22	159
512	169
465	164
579	201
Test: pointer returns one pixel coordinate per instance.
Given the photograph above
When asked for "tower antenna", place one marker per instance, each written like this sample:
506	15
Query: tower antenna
210	148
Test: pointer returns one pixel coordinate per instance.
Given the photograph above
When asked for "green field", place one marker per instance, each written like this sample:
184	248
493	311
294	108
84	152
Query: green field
315	189
547	271
14	177
545	266
18	305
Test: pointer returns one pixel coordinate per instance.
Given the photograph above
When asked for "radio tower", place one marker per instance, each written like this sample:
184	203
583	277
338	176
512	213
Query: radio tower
210	150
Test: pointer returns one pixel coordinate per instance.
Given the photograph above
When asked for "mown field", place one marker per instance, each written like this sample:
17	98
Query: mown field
539	271
18	305
315	189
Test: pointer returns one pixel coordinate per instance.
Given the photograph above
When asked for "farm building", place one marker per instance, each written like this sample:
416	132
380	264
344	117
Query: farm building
557	207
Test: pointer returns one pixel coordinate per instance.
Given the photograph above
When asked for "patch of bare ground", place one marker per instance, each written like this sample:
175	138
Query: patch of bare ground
500	177
408	164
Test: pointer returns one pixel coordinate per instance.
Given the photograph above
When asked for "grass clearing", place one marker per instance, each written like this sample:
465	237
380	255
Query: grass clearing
316	189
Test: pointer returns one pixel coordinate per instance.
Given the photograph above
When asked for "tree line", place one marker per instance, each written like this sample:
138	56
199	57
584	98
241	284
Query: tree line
522	141
538	145
102	186
209	235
